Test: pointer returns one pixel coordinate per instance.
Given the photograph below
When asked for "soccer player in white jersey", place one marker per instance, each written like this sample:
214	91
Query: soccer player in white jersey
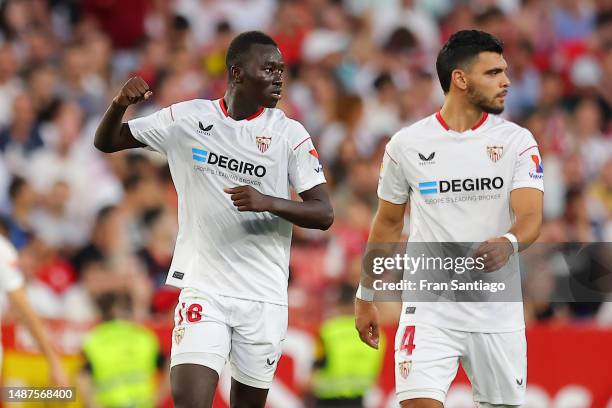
12	284
233	161
469	177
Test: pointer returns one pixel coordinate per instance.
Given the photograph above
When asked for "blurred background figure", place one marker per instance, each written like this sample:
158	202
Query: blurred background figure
121	358
12	284
345	368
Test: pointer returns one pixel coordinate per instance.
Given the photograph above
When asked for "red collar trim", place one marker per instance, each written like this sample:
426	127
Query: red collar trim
482	120
441	120
485	115
226	113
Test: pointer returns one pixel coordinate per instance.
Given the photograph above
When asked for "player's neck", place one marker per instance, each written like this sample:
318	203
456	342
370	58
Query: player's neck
239	108
459	115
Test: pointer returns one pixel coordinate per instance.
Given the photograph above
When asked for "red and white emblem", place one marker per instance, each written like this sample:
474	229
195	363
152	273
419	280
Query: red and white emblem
495	152
263	143
404	368
178	334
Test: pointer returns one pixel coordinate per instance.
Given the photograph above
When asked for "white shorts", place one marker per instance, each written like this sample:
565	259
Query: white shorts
210	329
427	358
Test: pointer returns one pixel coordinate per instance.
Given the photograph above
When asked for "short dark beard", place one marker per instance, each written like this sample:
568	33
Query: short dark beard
481	102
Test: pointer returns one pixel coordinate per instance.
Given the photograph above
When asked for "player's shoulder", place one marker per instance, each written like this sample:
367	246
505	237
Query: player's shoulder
508	130
192	107
409	135
7	249
290	129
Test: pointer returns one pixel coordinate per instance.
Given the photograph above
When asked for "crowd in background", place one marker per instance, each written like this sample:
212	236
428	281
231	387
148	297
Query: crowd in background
86	223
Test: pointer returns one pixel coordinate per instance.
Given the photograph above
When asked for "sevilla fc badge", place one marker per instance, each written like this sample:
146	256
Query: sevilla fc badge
263	143
495	152
178	334
404	368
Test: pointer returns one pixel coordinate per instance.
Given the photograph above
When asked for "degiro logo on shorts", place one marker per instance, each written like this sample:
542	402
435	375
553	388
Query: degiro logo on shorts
459	185
225	162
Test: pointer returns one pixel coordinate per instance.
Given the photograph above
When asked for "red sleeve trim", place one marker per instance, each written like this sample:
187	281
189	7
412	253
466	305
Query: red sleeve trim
529	148
299	144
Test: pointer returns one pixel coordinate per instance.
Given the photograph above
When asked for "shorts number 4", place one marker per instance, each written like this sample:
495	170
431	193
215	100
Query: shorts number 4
408	340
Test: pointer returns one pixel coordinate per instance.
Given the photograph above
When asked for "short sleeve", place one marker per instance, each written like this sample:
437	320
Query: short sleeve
529	169
305	170
154	130
10	275
392	184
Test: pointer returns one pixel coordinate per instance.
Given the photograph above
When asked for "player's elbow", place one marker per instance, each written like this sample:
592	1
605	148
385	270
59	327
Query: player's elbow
327	219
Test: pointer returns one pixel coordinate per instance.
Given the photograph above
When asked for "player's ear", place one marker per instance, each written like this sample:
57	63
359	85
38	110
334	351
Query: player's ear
458	78
236	74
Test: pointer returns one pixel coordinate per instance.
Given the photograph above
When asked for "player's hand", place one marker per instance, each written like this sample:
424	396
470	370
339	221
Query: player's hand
366	322
133	91
246	198
495	253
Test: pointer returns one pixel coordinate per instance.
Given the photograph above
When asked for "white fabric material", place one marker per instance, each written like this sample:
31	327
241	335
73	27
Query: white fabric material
10	276
495	363
421	162
218	249
247	333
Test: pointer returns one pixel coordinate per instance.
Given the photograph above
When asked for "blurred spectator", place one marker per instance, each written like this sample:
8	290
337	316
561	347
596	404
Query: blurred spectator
345	368
121	358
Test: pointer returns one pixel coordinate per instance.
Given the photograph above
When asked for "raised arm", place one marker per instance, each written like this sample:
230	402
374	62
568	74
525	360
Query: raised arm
112	135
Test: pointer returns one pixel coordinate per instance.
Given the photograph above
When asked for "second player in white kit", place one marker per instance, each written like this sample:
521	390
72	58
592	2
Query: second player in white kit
476	179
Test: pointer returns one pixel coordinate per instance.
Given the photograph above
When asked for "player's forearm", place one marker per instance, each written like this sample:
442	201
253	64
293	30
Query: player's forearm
108	135
527	229
19	299
313	214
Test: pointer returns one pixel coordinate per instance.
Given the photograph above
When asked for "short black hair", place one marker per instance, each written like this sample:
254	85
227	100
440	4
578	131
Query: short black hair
241	45
460	49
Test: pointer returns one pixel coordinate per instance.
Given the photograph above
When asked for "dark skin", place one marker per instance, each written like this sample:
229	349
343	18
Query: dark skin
254	82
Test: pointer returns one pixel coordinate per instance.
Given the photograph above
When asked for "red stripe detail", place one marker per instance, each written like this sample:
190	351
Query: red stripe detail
256	114
181	314
299	144
441	120
314	153
226	113
530	147
171	114
485	115
223	107
391	157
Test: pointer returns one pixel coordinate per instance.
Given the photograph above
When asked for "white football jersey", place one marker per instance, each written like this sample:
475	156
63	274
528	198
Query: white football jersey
10	276
458	185
219	249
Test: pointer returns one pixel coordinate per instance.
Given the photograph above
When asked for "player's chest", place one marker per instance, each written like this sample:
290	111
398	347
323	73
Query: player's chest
247	150
459	165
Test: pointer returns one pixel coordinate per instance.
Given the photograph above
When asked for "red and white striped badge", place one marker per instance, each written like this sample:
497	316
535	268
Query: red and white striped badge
495	152
263	143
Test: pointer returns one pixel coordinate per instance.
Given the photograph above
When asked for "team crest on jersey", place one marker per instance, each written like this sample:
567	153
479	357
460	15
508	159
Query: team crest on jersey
179	333
495	152
404	368
263	143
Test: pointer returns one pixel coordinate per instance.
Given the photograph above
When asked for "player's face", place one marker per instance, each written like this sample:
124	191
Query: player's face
263	74
487	82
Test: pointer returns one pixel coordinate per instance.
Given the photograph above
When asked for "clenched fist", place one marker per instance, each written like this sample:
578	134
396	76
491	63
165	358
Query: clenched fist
133	91
246	198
